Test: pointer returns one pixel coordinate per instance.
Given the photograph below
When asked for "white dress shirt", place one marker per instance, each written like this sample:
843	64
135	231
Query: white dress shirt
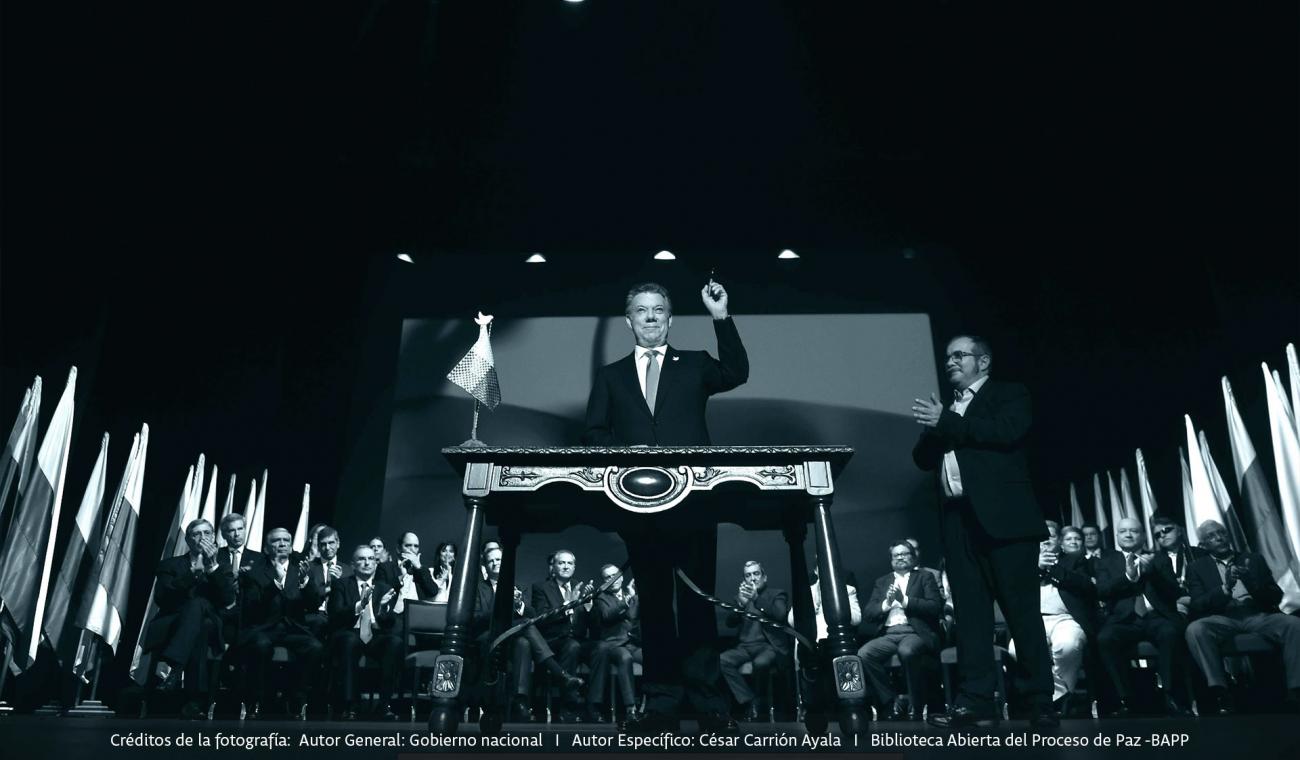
950	475
896	613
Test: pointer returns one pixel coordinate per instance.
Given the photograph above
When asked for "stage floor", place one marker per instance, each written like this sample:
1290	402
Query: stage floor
25	736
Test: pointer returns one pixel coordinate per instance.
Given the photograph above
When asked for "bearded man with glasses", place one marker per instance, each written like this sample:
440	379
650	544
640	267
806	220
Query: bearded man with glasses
991	526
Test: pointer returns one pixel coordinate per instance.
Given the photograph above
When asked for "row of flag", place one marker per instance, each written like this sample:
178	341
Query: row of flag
1275	522
84	603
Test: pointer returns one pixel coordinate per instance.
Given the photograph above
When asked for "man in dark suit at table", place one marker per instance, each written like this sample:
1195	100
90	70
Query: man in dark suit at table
656	396
1141	595
905	613
991	527
758	644
191	591
362	621
1235	593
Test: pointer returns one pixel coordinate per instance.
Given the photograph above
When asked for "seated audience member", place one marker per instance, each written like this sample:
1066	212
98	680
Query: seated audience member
616	611
760	645
1094	546
566	634
239	560
409	577
277	596
941	577
362	622
1141	594
1171	540
904	613
443	569
326	571
482	555
191	591
386	566
1235	593
1068	602
1071	540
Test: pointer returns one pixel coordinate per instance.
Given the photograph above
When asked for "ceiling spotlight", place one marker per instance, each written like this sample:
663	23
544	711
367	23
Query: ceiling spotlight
405	257
787	254
536	258
572	1
665	256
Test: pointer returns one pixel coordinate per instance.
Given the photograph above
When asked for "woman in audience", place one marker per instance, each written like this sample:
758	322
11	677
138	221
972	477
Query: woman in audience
444	563
1071	540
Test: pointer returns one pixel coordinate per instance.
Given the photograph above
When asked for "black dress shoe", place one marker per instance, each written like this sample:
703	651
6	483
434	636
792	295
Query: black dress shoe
649	724
192	711
385	713
1176	710
1044	716
254	712
717	723
964	717
569	681
1120	710
898	710
348	715
595	715
751	712
1223	702
520	710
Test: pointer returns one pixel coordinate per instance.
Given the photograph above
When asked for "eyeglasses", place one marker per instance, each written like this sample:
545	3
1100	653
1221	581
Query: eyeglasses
905	555
960	356
1162	532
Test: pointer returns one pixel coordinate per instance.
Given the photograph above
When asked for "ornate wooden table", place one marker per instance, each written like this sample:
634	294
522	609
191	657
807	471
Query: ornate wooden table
549	489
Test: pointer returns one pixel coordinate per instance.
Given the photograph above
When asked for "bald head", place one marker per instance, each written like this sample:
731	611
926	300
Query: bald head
1129	534
1214	538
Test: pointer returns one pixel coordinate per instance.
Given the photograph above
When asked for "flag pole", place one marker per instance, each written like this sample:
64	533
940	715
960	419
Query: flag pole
5	707
473	441
92	708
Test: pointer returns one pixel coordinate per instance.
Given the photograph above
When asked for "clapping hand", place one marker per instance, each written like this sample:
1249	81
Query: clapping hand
304	573
1047	559
895	594
927	413
388	598
336	572
715	299
745	594
631	588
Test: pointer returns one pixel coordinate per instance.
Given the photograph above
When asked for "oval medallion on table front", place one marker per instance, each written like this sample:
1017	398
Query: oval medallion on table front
646	482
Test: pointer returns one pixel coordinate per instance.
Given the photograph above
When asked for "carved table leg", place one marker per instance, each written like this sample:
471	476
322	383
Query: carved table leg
846	668
449	670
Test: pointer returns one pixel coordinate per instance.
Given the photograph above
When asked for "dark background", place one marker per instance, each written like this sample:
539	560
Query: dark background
202	203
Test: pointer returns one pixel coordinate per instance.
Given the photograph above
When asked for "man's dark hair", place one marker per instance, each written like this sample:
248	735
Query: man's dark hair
981	344
1162	520
902	542
1088	525
195	524
647	287
326	531
232	517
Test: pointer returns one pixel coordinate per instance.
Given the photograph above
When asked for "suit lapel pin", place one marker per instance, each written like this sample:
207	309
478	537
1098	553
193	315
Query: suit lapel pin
675	358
